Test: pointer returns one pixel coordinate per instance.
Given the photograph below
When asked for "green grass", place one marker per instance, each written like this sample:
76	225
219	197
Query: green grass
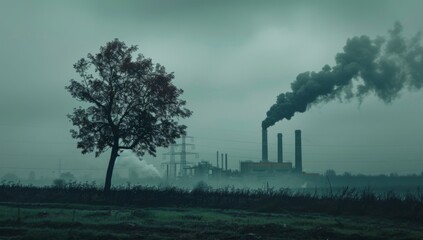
76	221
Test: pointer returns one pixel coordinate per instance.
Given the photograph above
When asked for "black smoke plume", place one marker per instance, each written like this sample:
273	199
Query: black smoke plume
380	66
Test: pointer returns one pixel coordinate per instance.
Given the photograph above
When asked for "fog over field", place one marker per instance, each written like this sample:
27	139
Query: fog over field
232	59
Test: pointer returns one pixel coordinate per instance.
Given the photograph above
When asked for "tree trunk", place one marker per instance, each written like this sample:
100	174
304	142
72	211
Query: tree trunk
109	173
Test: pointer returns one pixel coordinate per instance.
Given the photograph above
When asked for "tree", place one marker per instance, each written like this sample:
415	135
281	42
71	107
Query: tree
132	104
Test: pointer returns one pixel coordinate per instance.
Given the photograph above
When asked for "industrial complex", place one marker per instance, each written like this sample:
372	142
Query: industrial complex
205	169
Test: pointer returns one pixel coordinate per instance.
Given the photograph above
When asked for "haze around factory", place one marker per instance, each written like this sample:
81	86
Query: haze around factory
233	59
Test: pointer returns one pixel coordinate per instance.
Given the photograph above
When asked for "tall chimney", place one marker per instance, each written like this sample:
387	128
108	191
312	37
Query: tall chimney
226	161
217	159
222	161
280	153
264	145
298	154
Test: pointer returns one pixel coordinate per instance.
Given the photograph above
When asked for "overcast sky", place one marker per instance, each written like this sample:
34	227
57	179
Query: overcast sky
232	58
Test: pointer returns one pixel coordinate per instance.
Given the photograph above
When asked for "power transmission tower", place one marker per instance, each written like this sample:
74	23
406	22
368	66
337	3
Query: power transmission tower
171	165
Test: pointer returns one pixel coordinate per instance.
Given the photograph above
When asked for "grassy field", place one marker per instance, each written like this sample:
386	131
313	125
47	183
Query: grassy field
85	212
76	221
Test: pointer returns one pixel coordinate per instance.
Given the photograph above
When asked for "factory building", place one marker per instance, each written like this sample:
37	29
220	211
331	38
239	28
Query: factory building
205	169
268	167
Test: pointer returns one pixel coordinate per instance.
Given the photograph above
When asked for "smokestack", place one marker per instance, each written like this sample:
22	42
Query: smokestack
298	154
217	159
222	161
280	154
226	161
264	145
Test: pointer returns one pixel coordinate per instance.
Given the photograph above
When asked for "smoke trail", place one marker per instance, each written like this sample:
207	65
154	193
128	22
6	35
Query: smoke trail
141	167
383	66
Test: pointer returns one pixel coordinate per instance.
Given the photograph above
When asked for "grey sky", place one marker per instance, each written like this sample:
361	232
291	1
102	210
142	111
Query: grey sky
232	58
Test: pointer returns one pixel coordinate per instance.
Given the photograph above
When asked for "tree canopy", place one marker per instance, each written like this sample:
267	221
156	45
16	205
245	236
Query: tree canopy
132	103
